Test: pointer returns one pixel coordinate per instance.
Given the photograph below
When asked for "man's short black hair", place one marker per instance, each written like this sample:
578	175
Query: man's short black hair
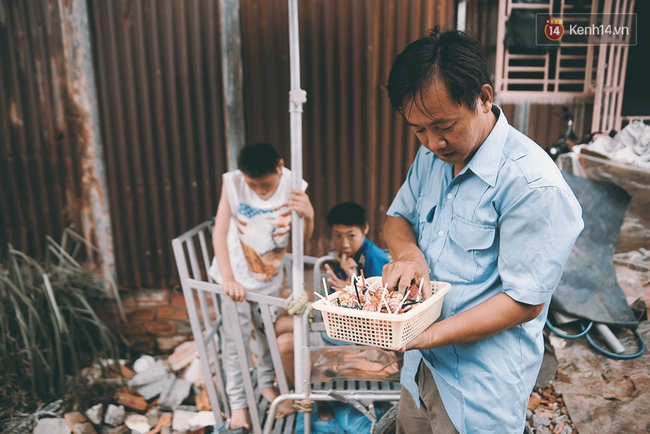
452	56
348	214
258	159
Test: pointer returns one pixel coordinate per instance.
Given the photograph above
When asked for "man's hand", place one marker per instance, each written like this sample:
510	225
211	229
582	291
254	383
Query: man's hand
403	273
234	290
333	279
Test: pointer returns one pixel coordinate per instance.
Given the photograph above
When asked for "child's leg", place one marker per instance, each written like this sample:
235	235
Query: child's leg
231	366
265	370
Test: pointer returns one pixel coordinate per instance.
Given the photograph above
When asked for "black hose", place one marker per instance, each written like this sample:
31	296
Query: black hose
585	332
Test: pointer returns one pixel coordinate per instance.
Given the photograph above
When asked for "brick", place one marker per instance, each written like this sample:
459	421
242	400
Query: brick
152	297
128	300
160	328
203	401
143	344
171	313
177	299
165	420
133	329
73	418
183	327
137	403
168	343
140	314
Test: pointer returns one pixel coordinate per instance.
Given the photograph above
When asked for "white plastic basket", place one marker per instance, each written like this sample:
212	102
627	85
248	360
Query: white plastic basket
385	330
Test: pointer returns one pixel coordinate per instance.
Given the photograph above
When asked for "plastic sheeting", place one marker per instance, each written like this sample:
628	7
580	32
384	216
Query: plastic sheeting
588	288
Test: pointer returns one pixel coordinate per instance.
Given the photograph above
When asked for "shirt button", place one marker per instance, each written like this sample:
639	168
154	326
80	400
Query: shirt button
449	196
441	233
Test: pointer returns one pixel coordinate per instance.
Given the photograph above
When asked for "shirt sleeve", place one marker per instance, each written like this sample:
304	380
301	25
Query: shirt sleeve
537	232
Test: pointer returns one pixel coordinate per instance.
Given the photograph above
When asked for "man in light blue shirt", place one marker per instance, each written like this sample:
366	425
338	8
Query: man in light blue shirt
484	208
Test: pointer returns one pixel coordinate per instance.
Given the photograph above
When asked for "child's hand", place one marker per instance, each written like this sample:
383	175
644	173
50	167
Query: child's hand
300	203
348	265
234	290
333	279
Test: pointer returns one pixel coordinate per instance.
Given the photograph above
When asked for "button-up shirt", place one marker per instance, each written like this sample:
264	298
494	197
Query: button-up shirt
506	223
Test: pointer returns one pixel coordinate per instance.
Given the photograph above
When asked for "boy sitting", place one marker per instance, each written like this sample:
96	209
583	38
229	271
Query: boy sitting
353	251
250	238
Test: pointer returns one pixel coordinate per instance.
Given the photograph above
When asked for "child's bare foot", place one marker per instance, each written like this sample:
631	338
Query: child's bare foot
239	418
285	408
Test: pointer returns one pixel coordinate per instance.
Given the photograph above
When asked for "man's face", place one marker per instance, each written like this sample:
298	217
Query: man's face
452	131
348	239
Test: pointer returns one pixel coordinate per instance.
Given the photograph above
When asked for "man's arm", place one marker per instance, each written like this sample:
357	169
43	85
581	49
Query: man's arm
219	241
408	260
486	319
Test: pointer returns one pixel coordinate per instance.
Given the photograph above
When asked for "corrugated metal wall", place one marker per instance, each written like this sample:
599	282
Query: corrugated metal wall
158	72
355	147
159	83
40	181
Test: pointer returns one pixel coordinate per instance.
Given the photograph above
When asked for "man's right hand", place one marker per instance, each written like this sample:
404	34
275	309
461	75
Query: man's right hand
234	290
405	271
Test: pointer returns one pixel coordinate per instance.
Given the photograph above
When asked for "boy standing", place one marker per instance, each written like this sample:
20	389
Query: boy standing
250	238
354	252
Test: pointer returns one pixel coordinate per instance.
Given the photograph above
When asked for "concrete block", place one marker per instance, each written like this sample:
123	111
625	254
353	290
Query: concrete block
175	395
114	415
55	425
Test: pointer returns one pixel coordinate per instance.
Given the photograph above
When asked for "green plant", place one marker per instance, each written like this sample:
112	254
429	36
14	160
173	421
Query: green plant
48	330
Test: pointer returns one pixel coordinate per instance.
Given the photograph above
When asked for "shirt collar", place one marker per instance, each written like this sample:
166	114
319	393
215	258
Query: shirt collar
487	160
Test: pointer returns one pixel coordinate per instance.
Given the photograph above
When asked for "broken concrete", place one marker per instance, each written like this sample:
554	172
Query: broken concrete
55	425
175	395
181	420
114	415
95	414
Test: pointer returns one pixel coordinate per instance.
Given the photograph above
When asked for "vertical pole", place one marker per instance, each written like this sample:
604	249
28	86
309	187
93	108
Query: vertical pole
82	94
297	97
233	79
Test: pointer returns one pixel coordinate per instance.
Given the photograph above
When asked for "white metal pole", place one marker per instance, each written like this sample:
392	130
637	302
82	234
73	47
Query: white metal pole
297	97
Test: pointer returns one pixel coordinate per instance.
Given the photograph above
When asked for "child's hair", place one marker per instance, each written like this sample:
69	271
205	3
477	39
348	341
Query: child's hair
258	159
348	214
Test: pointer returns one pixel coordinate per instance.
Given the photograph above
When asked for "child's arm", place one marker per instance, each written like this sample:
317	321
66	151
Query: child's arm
300	203
219	241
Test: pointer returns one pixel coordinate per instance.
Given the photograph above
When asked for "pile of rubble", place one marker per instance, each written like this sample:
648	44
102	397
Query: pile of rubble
163	396
547	413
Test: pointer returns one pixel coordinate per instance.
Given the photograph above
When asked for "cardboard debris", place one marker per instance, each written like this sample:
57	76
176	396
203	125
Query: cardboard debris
182	355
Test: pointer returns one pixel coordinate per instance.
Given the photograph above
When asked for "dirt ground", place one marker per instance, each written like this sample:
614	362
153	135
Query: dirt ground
604	395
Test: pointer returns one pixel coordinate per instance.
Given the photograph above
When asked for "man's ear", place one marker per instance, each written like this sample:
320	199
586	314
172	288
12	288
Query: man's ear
486	98
280	165
365	229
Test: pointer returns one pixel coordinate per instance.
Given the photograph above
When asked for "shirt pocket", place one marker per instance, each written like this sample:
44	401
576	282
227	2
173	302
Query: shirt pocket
472	251
426	208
